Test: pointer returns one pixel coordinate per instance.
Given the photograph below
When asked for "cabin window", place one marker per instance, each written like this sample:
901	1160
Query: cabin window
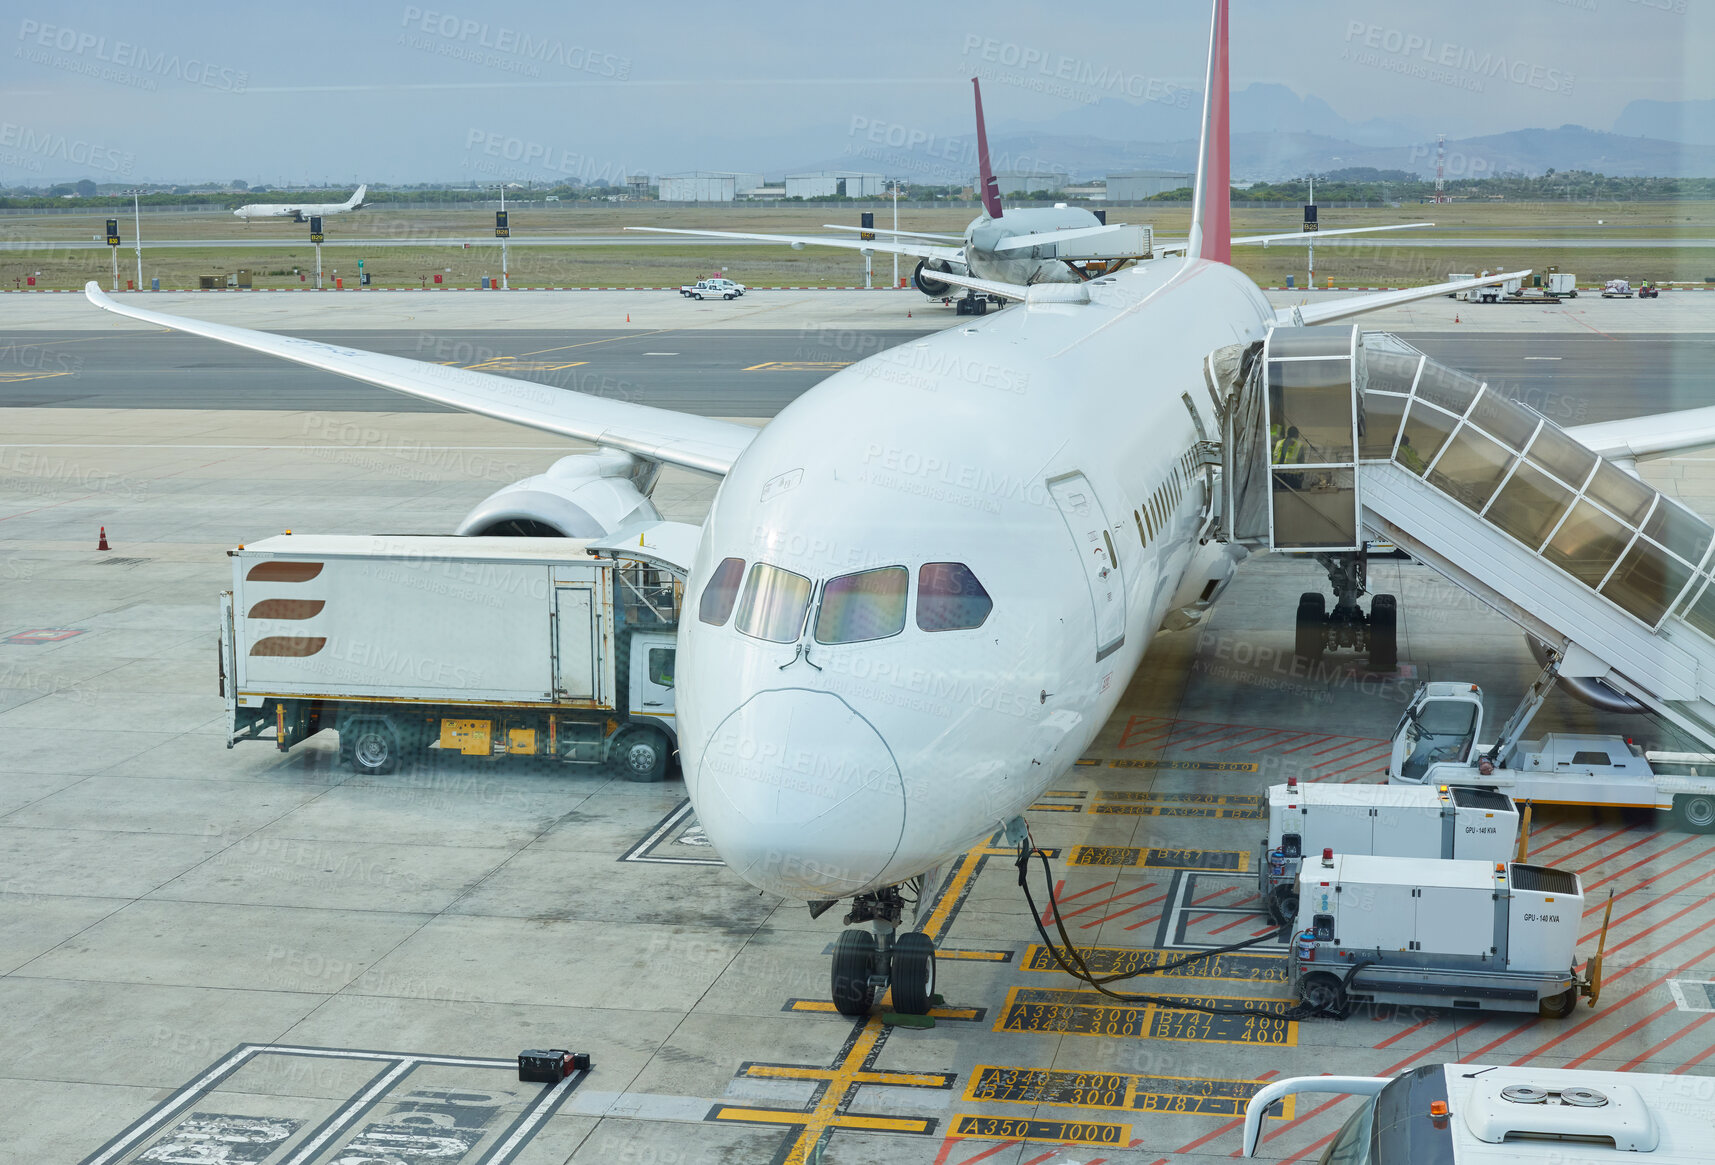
722	592
949	597
1142	539
863	606
774	604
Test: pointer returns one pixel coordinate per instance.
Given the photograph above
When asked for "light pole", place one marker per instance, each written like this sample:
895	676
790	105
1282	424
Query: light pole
137	226
503	238
896	231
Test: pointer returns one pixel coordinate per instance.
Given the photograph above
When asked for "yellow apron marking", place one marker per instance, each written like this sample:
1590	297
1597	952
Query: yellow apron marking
1230	861
1089	1013
1120	1091
1000	1128
799	366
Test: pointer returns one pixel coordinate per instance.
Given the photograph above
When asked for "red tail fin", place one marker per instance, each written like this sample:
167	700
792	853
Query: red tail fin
990	188
1211	216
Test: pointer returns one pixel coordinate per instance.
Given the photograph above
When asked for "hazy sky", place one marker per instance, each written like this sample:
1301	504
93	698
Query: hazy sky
394	92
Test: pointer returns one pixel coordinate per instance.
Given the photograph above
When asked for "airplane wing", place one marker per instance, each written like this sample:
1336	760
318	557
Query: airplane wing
837	226
1649	436
1339	309
1043	238
704	444
921	250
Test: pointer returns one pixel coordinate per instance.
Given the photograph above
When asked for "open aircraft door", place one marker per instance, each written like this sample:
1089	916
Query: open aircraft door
1088	524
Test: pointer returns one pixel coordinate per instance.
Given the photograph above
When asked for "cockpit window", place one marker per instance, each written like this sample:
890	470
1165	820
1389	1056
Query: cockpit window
722	591
863	606
773	604
949	597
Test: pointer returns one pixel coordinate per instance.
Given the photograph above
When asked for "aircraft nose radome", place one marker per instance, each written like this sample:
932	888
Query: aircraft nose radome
801	796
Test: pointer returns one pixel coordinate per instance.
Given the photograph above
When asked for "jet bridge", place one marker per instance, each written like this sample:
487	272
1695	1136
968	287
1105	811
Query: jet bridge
1336	437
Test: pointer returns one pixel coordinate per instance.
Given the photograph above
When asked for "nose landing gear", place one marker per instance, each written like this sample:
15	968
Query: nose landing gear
866	965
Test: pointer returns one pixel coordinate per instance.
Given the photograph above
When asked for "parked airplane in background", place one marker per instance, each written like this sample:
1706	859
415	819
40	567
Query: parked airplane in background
915	599
300	211
1029	245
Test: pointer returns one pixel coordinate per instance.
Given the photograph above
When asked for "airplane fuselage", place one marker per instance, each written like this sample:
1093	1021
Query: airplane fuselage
1035	265
1018	447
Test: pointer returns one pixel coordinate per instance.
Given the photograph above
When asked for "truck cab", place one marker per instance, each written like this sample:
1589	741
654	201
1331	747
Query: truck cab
1440	726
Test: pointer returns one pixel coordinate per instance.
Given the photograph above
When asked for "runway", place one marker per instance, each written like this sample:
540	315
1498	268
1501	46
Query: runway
1573	379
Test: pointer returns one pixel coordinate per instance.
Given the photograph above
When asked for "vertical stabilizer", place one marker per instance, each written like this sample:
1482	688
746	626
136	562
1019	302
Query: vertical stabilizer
357	199
1211	213
985	173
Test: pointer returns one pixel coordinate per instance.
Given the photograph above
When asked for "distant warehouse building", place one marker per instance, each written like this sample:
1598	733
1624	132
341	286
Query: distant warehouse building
708	186
1144	184
1025	181
834	184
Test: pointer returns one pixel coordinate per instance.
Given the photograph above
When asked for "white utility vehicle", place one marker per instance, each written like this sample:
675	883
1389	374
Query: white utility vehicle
491	646
1491	1114
1399	821
1436	744
713	289
1463	935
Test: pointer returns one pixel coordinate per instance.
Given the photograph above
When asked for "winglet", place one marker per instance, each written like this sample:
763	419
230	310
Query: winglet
1211	215
990	188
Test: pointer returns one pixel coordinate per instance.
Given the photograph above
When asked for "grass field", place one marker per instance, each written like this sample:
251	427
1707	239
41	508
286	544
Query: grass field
428	251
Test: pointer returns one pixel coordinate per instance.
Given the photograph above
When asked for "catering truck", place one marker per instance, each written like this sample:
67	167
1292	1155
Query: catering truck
1457	934
540	647
1436	743
1399	821
1508	1114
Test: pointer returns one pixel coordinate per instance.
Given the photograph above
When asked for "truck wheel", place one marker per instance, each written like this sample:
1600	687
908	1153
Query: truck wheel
1696	812
640	754
1322	993
1283	904
1558	1006
370	746
1384	633
854	958
1311	622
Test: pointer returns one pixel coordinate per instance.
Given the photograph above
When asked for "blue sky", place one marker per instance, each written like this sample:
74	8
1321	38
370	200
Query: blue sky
410	92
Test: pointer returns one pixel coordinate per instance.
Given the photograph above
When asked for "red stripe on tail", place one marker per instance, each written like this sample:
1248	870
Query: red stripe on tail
990	188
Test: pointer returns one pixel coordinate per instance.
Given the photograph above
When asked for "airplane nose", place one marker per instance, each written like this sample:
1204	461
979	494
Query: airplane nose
801	796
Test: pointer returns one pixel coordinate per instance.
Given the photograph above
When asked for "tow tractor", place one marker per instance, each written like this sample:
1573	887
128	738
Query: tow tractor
1436	744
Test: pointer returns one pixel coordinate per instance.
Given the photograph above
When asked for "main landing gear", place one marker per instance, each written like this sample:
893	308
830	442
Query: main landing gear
1346	627
865	965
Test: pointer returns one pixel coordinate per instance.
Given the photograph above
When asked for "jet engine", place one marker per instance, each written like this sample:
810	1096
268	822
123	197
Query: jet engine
931	287
585	495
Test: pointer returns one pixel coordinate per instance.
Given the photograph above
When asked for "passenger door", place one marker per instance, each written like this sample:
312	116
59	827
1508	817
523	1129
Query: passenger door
1088	524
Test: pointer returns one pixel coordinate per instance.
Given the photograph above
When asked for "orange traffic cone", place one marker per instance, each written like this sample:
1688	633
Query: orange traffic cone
103	544
1455	317
628	317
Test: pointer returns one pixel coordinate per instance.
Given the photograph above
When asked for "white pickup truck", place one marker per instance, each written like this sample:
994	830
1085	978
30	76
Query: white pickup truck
712	289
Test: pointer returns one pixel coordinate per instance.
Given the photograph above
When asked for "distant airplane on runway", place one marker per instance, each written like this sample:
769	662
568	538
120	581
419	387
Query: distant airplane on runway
300	211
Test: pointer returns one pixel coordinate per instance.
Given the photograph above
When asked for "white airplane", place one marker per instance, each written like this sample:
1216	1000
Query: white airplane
1026	246
301	211
916	597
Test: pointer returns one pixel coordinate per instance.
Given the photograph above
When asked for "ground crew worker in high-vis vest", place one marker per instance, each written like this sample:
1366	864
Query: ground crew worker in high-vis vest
1289	450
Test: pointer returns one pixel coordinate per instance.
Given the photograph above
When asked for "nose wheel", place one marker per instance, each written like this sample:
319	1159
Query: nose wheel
866	965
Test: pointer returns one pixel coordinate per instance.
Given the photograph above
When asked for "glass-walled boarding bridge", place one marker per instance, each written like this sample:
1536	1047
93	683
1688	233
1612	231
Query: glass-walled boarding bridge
1331	418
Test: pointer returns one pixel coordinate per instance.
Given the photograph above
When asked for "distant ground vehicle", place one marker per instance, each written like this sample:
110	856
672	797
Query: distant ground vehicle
1616	289
1561	284
1399	821
1649	291
1491	293
1465	935
1471	1114
1436	744
713	288
491	646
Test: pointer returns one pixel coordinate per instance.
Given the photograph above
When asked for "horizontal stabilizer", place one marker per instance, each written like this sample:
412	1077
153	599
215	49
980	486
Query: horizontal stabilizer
1312	236
835	226
881	246
1356	305
1118	241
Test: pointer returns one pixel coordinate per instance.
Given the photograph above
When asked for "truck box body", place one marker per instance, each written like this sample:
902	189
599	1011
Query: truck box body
1402	821
453	620
1458	933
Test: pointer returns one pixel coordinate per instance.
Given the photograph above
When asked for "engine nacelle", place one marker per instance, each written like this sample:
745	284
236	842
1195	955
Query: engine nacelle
933	288
1207	575
585	495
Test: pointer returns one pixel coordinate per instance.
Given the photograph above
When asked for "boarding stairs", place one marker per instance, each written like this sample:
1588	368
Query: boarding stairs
1394	447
